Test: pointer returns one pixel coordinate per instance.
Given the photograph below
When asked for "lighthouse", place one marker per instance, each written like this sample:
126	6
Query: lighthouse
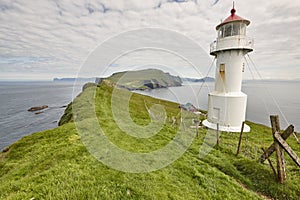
227	103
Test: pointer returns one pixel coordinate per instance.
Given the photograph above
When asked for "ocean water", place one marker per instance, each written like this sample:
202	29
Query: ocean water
265	98
17	97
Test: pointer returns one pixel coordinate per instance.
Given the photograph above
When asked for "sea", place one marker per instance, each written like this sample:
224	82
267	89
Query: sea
17	97
265	98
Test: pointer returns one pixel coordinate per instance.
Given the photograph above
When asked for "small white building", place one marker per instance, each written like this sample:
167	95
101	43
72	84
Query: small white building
227	104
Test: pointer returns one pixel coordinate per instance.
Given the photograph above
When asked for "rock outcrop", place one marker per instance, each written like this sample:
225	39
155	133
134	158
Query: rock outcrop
36	108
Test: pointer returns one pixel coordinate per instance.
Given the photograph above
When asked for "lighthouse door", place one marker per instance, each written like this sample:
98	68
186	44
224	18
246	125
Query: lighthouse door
216	114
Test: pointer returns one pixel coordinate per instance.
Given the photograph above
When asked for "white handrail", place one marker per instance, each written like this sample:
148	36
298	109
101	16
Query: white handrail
233	42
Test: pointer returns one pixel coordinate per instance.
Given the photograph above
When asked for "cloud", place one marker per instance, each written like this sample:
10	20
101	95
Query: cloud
55	37
23	60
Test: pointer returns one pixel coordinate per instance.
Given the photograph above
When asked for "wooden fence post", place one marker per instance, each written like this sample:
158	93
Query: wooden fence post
196	122
279	151
271	149
279	145
287	148
218	135
240	140
271	165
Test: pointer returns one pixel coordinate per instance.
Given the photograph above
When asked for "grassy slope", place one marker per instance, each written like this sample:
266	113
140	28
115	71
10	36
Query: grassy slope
55	164
135	79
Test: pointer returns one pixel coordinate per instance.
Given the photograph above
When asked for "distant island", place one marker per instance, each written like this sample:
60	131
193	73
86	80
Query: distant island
73	79
196	80
142	80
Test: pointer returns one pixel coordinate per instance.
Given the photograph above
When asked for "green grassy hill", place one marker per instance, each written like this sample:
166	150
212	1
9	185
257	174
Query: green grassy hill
54	164
144	79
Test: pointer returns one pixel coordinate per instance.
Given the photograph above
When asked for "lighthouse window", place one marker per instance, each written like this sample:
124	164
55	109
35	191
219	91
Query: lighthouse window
220	32
232	29
236	29
228	30
243	29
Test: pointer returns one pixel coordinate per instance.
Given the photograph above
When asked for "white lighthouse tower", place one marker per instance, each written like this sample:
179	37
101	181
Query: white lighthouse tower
227	104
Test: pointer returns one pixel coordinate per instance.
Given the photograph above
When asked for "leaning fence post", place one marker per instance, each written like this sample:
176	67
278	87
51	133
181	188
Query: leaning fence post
218	135
240	140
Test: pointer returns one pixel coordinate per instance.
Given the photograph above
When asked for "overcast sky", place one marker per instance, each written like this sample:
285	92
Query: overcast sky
52	38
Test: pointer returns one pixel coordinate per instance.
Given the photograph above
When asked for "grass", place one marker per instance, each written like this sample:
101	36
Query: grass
54	164
136	79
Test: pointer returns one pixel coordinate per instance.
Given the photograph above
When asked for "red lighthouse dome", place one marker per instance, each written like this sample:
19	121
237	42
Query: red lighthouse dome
233	18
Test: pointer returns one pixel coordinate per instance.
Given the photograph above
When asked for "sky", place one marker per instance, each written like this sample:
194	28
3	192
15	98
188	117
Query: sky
40	40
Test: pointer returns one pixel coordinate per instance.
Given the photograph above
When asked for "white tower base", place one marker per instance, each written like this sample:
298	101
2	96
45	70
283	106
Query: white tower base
234	129
228	110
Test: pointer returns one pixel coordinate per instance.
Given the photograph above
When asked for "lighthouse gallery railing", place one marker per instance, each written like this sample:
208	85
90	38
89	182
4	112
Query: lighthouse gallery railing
232	43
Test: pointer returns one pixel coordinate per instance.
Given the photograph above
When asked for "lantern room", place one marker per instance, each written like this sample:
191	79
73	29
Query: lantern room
232	33
232	26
